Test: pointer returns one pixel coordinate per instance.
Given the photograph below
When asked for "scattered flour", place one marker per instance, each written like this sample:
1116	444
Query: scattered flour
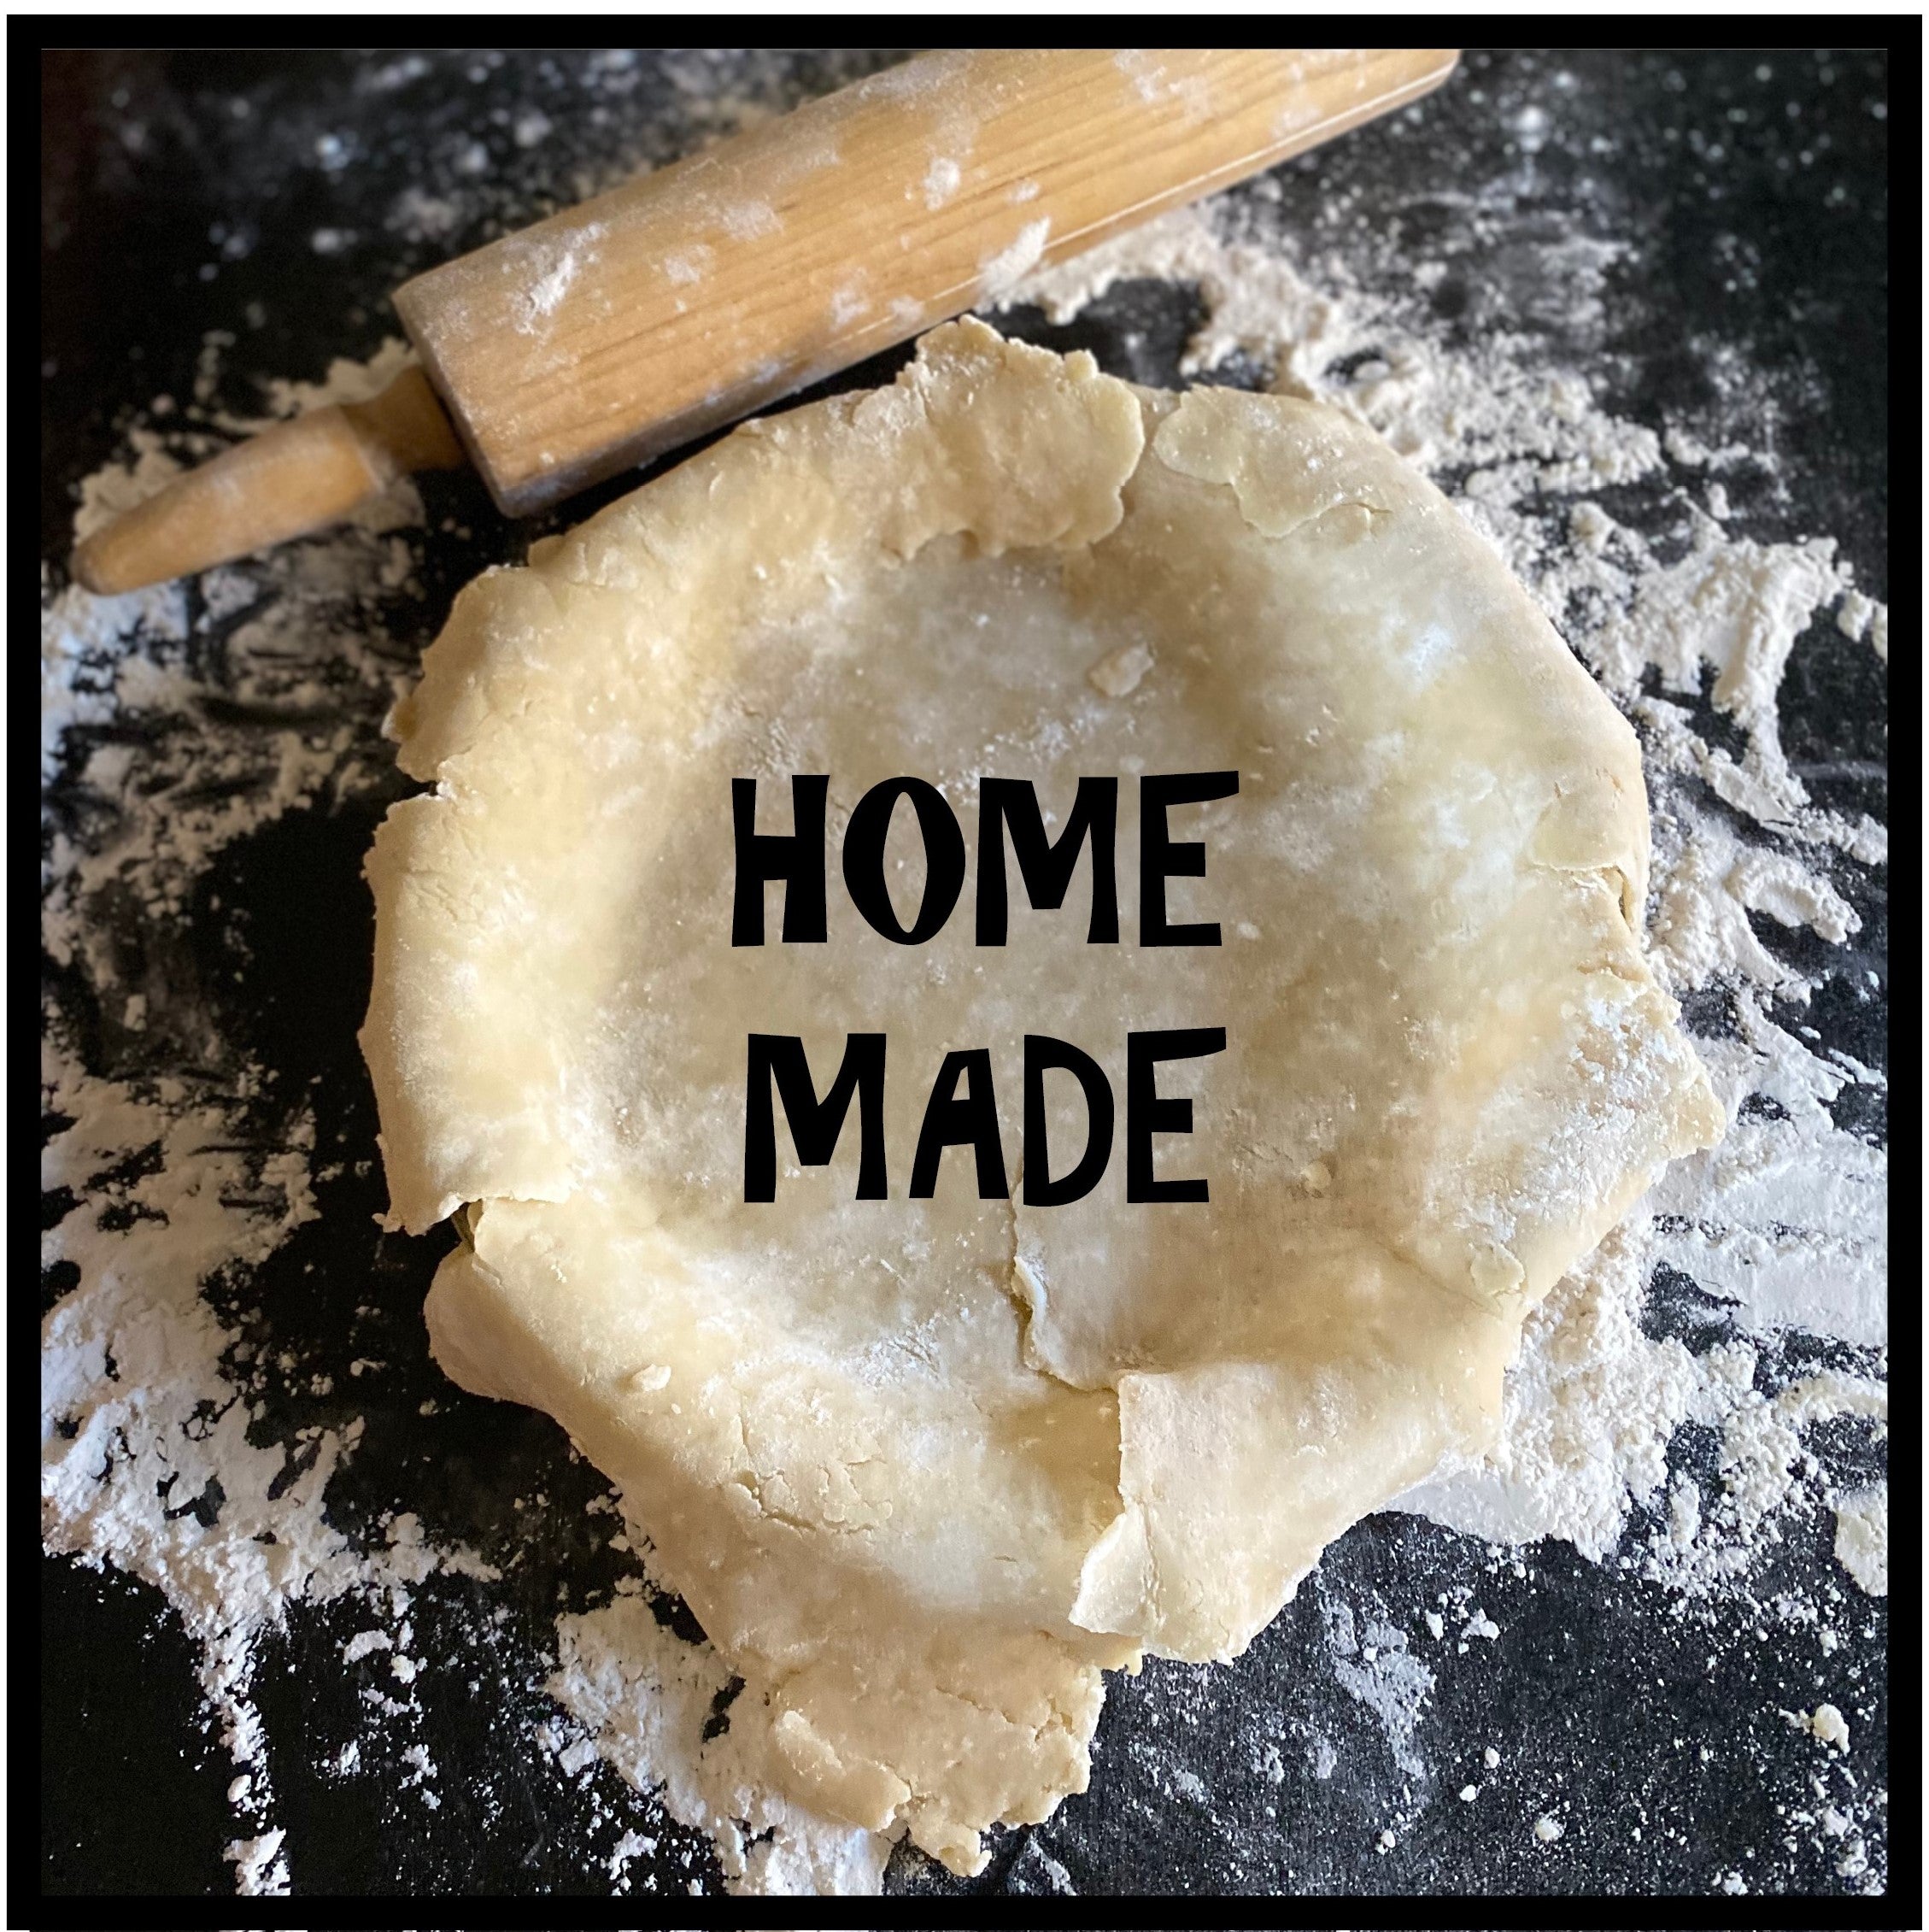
1861	1538
1004	268
941	181
148	1400
260	1869
644	1699
1825	1723
1381	1673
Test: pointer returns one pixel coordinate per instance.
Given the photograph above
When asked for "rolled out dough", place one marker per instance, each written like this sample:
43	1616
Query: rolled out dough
924	1469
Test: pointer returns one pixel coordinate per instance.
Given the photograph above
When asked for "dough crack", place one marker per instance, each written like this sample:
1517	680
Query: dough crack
771	1514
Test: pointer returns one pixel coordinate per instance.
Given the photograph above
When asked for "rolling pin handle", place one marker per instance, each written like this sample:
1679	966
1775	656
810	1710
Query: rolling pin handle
289	480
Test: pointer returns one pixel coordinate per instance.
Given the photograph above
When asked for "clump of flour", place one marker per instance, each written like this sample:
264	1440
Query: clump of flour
149	1399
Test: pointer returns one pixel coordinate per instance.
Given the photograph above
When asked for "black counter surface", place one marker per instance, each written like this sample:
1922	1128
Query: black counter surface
182	192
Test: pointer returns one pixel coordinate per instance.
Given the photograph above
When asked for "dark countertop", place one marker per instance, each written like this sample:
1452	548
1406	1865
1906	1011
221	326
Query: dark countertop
182	192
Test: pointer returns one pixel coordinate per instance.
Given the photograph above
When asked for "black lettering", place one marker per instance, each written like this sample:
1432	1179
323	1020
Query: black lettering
1161	857
1046	865
815	1124
797	858
1041	1190
970	1121
944	859
1147	1114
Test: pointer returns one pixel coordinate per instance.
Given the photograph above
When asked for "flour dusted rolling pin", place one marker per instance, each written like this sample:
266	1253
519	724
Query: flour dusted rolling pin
607	335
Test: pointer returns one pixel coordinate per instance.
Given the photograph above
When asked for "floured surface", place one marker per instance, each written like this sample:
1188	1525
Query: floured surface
1636	1428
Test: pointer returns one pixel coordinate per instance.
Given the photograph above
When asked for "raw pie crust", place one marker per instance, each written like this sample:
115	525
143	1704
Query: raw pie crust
924	1469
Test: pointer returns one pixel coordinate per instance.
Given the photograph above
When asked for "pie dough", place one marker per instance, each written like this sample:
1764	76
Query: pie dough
924	1469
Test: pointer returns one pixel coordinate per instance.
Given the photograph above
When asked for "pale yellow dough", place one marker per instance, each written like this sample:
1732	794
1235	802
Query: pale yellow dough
924	1469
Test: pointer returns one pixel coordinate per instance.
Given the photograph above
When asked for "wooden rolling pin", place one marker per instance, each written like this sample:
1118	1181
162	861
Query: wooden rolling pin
607	335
